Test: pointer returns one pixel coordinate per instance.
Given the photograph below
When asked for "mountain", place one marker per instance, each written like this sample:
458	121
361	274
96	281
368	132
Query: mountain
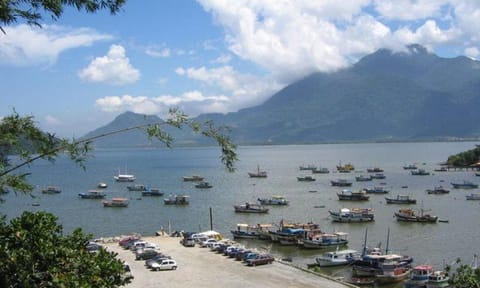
386	96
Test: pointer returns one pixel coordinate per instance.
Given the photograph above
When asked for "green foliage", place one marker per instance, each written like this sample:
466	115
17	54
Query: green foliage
35	253
464	276
466	158
33	11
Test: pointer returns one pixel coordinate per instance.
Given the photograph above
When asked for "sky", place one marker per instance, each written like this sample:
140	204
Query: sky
78	73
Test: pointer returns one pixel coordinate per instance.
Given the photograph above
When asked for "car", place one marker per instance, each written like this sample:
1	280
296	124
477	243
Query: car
239	256
156	259
166	264
188	242
143	245
250	255
199	238
145	254
127	239
260	260
208	243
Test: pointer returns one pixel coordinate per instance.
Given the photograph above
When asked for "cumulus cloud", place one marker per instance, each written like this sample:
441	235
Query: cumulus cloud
25	45
113	68
409	9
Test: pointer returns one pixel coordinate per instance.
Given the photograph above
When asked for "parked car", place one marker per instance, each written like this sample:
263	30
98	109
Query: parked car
260	260
207	243
250	255
188	242
145	254
239	256
167	264
127	239
160	257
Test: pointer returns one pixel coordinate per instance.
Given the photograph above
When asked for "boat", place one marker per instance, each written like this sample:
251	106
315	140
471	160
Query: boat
124	177
378	176
419	276
274	200
394	275
410	167
258	174
376	190
345	168
137	187
321	170
323	240
203	185
401	199
176	200
337	258
102	185
341	183
374	170
51	190
250	208
290	233
352	215
307	167
441	169
116	202
477	174
92	194
152	192
409	215
193	178
420	172
363	178
245	231
438	190
464	185
438	279
352	196
306	179
473	196
361	281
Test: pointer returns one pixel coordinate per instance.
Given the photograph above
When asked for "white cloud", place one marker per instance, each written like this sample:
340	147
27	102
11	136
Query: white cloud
429	34
222	59
113	68
25	45
158	52
52	121
409	9
472	52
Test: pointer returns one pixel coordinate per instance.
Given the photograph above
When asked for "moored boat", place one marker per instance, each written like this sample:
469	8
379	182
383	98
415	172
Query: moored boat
420	172
341	183
274	200
245	231
51	190
116	202
376	190
409	215
352	215
137	187
352	196
323	240
419	276
310	167
438	190
306	179
464	185
102	185
374	170
337	258
193	178
378	176
152	192
345	168
401	199
321	170
258	174
473	196
203	185
177	200
438	279
394	275
250	208
92	194
410	167
124	178
363	178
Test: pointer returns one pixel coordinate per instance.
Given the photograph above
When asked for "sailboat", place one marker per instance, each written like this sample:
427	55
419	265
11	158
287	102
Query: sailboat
258	174
124	177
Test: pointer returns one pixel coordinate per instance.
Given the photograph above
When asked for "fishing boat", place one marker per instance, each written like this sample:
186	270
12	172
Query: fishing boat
152	192
376	190
438	190
352	215
409	215
401	199
397	274
274	200
321	170
363	178
177	200
51	190
124	177
203	185
258	174
410	167
374	170
193	178
137	187
464	185
92	194
307	167
419	172
337	258
419	276
438	279
341	183
473	196
245	231
306	179
250	208
378	176
115	202
352	196
345	168
323	240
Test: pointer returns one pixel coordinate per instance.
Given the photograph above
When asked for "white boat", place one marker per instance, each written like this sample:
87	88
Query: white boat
51	190
92	194
116	202
325	239
275	200
250	208
102	185
193	178
124	177
176	200
438	279
352	215
473	196
337	258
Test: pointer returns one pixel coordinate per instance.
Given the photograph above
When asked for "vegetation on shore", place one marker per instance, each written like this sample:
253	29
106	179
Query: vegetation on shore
465	159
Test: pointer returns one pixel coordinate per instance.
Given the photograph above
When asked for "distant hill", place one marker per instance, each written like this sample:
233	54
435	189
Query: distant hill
386	96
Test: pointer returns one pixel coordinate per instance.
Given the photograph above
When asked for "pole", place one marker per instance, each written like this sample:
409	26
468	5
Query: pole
211	219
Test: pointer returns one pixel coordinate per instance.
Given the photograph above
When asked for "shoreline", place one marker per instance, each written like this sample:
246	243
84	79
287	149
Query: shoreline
201	267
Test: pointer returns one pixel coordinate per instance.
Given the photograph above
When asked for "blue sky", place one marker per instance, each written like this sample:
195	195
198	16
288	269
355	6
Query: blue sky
78	73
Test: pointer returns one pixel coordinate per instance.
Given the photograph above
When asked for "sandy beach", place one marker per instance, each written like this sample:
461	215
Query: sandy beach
200	267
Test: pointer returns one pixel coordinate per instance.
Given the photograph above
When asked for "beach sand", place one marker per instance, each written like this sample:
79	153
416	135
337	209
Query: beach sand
200	267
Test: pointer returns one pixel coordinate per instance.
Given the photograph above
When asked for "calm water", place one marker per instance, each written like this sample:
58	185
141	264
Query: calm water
428	243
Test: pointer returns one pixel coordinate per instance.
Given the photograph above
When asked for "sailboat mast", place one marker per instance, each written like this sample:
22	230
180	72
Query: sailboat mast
365	243
388	240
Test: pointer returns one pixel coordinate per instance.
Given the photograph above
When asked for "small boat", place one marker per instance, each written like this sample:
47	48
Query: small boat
258	174
363	178
337	258
245	231
51	190
341	183
438	190
464	185
274	200
410	167
203	185
137	187
376	190
420	172
306	179
124	178
152	192
323	240
438	279
92	194
193	178
352	196
102	185
345	168
378	176
176	200
441	169
321	171
408	215
401	199
115	202
374	170
394	275
352	215
477	174
307	167
250	208
473	196
419	276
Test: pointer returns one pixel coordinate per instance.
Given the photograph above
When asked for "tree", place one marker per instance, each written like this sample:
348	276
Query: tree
466	158
35	253
11	11
467	276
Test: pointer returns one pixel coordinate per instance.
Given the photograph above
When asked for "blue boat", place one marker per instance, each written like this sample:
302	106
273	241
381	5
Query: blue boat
464	185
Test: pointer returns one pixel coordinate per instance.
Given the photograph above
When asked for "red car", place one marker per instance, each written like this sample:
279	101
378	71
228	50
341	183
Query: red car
260	260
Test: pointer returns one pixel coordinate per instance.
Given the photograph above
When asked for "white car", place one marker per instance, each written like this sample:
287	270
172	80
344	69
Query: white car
166	264
208	242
